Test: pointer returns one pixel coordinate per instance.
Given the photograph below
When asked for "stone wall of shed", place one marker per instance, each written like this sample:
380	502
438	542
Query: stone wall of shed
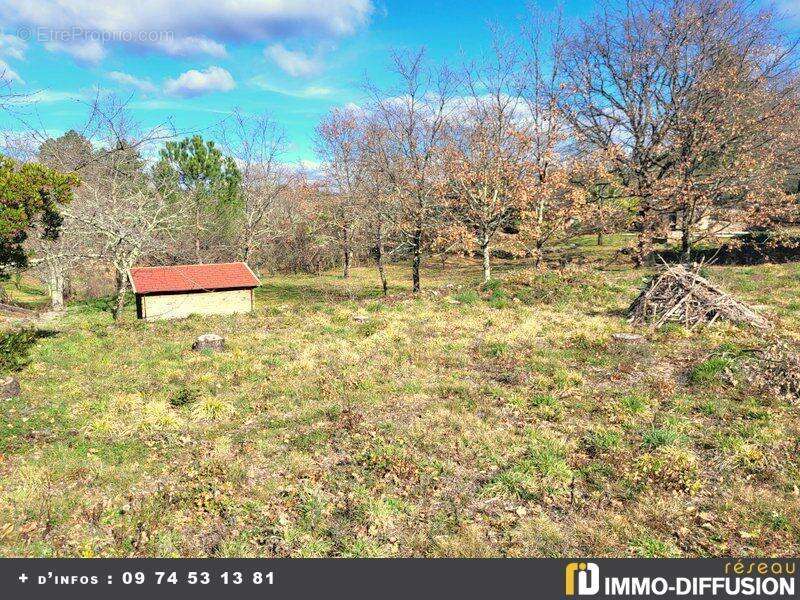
176	306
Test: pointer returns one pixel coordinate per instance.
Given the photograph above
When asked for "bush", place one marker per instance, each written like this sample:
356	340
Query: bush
709	371
656	438
467	297
15	346
184	395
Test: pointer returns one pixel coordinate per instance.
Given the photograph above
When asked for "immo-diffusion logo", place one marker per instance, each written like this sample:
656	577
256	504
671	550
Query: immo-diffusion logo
756	579
587	575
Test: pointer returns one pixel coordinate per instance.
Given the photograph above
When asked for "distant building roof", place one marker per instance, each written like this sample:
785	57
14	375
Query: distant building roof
192	278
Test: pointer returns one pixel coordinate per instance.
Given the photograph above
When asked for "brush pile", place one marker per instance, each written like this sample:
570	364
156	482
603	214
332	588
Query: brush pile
681	295
777	370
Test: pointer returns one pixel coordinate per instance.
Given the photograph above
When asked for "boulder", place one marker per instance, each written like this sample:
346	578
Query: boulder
9	387
361	318
628	338
209	341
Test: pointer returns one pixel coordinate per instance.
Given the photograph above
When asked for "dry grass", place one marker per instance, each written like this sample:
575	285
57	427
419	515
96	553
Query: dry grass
469	421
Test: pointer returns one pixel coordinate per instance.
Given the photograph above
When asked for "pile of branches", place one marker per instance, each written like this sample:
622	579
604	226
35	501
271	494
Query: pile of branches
681	295
777	370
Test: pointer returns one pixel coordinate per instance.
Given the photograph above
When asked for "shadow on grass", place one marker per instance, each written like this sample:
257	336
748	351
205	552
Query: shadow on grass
16	345
749	249
314	291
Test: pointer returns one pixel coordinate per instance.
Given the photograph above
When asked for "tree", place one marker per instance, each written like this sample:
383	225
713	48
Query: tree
123	208
129	215
78	247
735	141
488	151
31	197
304	242
624	95
413	118
257	145
194	172
681	94
380	208
339	145
554	206
607	207
56	259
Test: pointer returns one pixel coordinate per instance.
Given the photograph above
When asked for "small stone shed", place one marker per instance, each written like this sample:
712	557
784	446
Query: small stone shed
179	291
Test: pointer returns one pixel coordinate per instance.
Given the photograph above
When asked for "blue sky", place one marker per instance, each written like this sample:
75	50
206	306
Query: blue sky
193	62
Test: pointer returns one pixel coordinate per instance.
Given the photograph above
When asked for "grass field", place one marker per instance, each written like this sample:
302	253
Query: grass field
468	421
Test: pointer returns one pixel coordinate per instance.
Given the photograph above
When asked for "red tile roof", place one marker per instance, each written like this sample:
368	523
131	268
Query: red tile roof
192	278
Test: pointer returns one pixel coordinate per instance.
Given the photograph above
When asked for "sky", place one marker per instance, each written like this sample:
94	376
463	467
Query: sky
192	62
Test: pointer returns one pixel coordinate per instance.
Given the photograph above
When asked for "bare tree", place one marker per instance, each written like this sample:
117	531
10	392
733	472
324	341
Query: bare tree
122	206
414	117
339	145
380	208
74	152
488	151
257	144
57	258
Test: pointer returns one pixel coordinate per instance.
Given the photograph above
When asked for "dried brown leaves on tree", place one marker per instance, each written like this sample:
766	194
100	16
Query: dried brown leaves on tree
696	101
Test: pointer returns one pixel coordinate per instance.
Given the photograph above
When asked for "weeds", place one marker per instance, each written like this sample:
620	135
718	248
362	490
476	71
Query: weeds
15	346
482	426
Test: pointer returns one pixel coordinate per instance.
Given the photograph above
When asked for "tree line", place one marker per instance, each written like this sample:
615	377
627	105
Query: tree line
676	113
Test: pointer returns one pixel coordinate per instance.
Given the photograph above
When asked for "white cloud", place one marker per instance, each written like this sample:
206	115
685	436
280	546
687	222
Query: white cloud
143	85
180	27
46	97
12	46
192	45
293	62
314	91
196	83
85	51
310	168
311	91
8	74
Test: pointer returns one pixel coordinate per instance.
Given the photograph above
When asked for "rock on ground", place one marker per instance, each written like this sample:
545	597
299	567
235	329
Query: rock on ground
630	338
9	387
209	341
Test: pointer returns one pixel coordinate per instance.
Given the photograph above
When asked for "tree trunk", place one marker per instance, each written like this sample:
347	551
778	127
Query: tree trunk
347	251
197	217
687	218
119	300
248	248
644	239
416	259
56	284
686	246
487	264
379	259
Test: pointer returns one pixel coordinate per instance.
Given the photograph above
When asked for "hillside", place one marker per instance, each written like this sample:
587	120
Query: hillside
464	422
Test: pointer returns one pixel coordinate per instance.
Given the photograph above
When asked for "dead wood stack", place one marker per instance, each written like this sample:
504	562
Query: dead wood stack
681	295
